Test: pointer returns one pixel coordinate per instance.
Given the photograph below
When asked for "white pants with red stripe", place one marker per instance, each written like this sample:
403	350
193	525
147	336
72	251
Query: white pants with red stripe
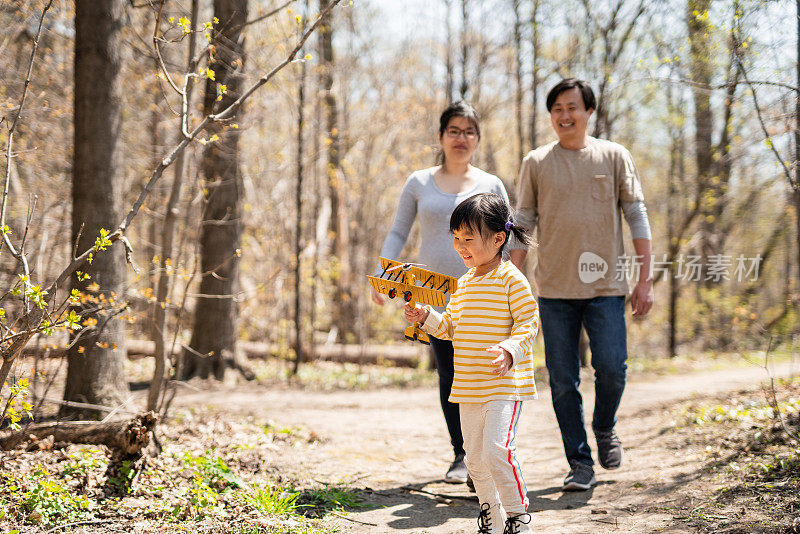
489	429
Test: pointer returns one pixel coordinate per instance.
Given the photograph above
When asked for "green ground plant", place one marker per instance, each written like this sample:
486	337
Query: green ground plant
84	461
319	501
752	456
46	501
273	499
182	491
212	471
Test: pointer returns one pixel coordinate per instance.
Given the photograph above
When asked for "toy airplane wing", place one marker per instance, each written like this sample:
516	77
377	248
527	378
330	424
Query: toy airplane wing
392	288
428	279
435	281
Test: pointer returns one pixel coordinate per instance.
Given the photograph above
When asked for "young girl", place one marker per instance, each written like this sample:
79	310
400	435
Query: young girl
429	196
492	319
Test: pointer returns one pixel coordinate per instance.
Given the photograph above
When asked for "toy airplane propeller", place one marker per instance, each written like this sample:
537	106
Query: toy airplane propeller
432	290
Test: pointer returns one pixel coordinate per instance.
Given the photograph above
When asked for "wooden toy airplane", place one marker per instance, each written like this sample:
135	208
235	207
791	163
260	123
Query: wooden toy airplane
400	278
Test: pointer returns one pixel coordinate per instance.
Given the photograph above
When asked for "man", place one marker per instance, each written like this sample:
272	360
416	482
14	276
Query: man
575	192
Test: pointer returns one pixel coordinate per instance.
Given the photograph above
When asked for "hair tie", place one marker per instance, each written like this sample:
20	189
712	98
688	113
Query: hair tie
509	226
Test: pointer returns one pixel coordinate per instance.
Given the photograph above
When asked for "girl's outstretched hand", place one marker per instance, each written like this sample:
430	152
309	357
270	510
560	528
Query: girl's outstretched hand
377	298
503	362
416	315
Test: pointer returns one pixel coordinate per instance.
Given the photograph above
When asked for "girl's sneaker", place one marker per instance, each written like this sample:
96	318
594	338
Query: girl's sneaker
518	524
491	519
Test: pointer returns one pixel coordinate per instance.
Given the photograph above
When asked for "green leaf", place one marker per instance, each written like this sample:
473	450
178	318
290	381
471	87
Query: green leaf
73	320
37	294
102	242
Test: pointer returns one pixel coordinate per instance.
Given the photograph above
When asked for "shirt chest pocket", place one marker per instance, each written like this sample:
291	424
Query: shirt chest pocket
602	187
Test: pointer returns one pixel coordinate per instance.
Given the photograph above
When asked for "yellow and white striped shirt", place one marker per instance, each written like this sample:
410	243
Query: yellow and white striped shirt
497	308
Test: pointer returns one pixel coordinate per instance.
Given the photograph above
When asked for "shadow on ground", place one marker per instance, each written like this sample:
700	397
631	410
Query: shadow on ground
432	504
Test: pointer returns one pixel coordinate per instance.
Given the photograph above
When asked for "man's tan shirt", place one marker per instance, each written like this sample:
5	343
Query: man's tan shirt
572	198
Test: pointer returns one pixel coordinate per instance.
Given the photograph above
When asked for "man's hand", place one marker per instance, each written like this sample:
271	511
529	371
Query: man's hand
417	314
377	298
517	257
503	362
642	298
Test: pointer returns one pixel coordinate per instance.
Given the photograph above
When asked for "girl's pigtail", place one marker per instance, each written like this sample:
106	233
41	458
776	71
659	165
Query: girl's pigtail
522	235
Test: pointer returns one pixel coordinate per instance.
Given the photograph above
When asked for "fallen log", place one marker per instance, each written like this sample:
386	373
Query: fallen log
123	437
405	355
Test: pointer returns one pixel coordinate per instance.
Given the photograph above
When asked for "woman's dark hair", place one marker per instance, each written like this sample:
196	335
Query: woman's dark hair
459	109
589	100
487	214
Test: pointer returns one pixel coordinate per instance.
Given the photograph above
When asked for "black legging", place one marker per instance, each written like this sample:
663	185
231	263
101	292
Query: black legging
443	352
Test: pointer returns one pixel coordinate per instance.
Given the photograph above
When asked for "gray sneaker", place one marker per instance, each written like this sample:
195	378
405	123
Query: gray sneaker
580	477
609	449
457	474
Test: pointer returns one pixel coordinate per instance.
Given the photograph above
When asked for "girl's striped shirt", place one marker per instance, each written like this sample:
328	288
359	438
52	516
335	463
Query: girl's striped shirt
497	308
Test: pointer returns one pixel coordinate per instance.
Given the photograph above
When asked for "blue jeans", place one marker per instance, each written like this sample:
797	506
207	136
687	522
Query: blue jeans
443	351
604	321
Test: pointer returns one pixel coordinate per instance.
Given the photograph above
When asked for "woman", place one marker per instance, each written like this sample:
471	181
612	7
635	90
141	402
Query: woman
431	195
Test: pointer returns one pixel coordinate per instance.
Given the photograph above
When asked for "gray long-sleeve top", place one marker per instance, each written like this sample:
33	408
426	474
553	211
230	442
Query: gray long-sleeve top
421	198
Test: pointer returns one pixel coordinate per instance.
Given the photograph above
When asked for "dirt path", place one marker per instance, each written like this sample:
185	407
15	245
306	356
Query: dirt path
387	439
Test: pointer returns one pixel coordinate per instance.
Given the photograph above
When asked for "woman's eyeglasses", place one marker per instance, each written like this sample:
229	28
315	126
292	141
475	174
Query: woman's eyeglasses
455	132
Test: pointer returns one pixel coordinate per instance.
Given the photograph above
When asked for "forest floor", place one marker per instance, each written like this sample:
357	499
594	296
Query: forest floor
699	443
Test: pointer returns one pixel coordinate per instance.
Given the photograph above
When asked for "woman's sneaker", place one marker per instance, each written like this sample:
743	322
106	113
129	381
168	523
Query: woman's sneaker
580	477
457	474
609	449
491	519
518	524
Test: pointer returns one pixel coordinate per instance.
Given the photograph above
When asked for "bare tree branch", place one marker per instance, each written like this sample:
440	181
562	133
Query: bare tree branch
33	317
10	142
792	182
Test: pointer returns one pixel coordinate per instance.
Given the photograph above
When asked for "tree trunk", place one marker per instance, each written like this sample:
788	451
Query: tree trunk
674	294
156	221
535	72
797	146
721	153
464	86
676	176
796	199
343	299
700	49
700	43
159	330
298	206
95	371
317	210
518	93
213	343
715	164
448	53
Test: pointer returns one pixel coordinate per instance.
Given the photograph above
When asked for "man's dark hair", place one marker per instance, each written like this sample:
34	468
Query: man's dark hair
572	83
